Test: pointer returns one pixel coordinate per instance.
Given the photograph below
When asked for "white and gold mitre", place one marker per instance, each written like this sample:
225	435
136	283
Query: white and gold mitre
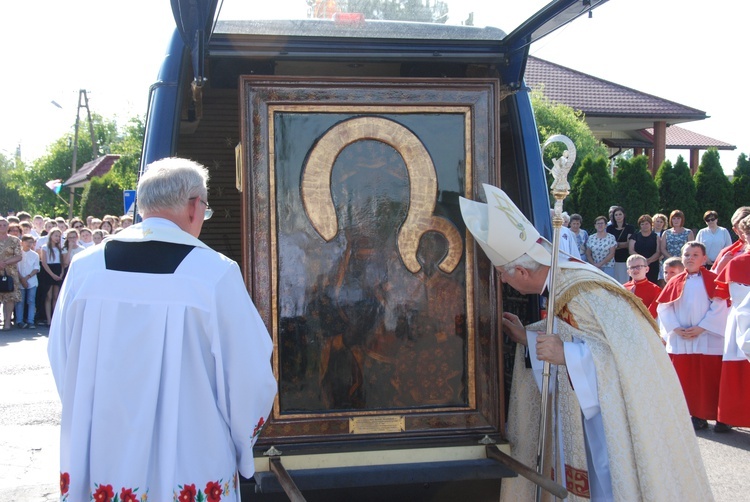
501	229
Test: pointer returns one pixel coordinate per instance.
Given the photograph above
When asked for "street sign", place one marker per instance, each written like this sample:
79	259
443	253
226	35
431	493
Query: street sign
128	199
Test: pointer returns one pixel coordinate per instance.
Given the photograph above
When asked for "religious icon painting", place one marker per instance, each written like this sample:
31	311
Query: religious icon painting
359	260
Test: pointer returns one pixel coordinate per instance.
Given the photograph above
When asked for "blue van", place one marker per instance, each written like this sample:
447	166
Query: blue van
338	147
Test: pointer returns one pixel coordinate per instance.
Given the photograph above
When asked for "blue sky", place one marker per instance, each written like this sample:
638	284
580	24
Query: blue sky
682	50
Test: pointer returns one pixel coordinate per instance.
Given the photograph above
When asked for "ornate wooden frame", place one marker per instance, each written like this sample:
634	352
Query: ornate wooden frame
388	112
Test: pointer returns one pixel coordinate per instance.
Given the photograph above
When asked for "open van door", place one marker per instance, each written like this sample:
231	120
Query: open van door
337	150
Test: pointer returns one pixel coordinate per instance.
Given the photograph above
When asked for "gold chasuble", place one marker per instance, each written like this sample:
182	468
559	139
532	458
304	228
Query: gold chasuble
638	391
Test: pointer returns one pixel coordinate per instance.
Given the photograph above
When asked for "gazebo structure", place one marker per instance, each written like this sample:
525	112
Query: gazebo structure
623	118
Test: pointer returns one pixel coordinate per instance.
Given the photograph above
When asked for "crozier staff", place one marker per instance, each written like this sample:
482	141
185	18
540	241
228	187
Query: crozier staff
161	360
598	356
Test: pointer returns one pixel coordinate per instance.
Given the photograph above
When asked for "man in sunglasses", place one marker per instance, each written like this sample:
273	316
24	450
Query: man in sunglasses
161	360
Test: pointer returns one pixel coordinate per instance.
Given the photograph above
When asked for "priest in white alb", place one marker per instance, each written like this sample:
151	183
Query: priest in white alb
605	406
162	362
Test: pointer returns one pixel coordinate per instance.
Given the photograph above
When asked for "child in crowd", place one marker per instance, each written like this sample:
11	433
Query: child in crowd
85	238
98	235
673	267
28	268
692	320
639	285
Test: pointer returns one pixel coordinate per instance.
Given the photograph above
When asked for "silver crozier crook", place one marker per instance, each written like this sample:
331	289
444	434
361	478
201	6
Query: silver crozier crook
560	189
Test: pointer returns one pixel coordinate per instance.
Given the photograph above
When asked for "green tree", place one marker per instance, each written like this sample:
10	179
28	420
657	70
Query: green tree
591	192
424	11
103	195
665	184
30	181
677	190
713	191
553	118
635	189
10	199
740	184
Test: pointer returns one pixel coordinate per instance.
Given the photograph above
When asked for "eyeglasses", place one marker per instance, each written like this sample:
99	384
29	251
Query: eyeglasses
710	219
208	212
636	267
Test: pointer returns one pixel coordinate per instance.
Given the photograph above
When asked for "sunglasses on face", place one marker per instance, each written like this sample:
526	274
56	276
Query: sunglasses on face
710	219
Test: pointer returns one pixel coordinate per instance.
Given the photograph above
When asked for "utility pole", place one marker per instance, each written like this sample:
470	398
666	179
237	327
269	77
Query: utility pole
83	102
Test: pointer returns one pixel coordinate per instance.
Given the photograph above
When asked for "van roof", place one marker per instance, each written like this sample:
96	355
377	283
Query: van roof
358	29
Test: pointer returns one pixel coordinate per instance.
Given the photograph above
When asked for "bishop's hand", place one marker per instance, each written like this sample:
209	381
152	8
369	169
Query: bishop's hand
550	349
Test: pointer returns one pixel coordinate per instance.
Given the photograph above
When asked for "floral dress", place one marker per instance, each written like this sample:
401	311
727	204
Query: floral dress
10	247
600	247
675	241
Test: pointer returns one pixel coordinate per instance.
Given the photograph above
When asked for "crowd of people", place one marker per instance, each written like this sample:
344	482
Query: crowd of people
696	287
35	252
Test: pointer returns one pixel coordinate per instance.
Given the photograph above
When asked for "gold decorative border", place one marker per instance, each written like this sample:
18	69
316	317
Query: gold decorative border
272	109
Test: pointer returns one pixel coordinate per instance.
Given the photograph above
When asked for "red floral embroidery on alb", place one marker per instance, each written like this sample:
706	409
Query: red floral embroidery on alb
213	491
187	494
127	495
64	482
104	493
258	427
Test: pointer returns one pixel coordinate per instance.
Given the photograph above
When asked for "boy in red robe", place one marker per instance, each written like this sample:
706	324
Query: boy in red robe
692	320
639	285
733	283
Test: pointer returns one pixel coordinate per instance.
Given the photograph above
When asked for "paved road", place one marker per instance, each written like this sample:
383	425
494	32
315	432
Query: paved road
30	419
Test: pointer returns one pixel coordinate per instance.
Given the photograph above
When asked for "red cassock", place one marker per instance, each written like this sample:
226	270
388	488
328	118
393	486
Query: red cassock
688	301
734	389
721	259
647	291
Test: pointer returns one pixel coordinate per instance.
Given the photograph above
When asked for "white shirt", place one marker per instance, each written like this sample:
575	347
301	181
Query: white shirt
714	241
28	263
163	378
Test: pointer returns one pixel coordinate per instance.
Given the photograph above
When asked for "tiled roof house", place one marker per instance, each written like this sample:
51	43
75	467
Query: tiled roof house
621	117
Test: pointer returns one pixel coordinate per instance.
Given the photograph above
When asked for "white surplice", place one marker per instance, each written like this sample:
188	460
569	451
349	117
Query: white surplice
694	308
165	379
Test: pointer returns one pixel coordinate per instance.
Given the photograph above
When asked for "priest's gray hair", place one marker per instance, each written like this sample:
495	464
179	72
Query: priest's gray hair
525	261
169	183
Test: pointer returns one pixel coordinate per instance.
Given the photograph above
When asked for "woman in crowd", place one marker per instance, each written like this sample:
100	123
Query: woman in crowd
106	226
672	239
714	237
660	223
10	255
70	248
581	235
601	246
622	232
51	274
646	243
76	223
14	229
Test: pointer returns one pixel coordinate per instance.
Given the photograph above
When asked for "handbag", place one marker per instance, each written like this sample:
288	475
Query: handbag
6	283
